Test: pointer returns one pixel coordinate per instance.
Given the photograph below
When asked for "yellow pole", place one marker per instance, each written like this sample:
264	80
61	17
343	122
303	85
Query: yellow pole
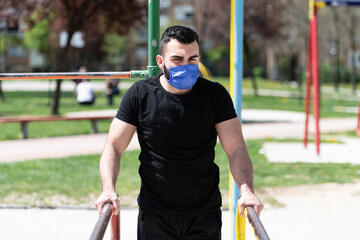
240	229
232	95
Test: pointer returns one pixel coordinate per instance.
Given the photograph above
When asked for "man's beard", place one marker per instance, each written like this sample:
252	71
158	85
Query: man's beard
166	72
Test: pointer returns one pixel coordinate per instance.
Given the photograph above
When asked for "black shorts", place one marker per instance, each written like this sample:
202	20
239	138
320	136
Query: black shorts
177	227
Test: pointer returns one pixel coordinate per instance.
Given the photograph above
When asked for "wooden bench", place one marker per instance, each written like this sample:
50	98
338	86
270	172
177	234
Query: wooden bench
24	120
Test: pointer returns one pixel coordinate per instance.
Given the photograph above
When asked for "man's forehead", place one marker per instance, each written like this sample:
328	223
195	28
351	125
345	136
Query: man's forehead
175	48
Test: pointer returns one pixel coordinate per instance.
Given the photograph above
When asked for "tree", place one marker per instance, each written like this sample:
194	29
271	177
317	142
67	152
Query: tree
92	17
354	19
263	21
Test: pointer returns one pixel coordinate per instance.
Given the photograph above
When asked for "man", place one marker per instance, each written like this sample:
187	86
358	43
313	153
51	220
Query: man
178	116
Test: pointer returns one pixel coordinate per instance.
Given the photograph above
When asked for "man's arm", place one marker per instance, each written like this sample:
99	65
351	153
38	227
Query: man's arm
118	139
232	141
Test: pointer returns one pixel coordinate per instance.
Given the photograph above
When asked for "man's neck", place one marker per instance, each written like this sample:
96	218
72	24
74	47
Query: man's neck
164	83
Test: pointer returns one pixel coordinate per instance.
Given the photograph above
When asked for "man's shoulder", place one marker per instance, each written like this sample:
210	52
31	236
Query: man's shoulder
144	85
149	82
210	85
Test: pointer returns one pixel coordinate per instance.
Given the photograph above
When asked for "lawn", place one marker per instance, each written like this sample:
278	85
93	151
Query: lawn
76	180
38	103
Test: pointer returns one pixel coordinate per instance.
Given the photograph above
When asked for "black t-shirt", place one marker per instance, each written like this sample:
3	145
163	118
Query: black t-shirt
177	137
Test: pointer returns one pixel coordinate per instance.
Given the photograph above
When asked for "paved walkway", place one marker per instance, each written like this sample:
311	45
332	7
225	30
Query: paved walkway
264	124
44	85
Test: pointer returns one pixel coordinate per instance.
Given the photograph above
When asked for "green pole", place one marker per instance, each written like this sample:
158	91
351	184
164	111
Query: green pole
153	36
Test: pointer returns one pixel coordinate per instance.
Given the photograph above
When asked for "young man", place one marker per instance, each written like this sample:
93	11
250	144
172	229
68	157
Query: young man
178	117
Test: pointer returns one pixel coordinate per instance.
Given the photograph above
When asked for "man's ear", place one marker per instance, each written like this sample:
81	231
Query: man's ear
160	61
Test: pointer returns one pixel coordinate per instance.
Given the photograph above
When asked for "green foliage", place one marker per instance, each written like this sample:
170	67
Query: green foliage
114	46
217	60
258	72
37	37
217	53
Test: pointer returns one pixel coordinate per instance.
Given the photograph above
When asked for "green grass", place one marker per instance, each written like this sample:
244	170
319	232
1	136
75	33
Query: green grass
78	177
38	103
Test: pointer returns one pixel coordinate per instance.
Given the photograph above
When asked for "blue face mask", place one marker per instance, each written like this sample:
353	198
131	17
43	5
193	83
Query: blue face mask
182	77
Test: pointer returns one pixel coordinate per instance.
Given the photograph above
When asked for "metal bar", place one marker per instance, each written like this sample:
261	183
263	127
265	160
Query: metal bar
153	36
254	220
103	221
236	74
64	75
115	227
315	78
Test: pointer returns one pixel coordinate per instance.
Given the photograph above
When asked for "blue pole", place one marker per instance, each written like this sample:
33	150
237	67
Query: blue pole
237	88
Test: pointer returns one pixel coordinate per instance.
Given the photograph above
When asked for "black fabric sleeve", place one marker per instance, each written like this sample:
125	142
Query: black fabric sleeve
224	105
129	107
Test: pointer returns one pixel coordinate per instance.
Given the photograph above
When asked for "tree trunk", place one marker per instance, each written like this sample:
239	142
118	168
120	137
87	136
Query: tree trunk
250	66
352	36
63	67
56	100
337	25
2	97
270	63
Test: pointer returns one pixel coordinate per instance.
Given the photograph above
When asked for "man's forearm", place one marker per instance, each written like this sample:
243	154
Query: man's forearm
241	168
109	169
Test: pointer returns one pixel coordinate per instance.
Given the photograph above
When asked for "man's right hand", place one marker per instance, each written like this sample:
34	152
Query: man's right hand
108	197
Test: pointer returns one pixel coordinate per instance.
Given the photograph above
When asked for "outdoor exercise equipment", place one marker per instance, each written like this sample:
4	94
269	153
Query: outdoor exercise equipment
103	221
312	73
236	73
238	224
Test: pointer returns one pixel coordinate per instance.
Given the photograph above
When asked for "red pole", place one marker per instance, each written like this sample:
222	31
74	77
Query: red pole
308	87
358	124
115	227
315	77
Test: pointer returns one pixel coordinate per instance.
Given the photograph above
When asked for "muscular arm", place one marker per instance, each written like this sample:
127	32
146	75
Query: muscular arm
118	139
232	141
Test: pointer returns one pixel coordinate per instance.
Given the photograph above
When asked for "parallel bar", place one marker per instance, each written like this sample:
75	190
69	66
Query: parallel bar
254	220
102	223
63	75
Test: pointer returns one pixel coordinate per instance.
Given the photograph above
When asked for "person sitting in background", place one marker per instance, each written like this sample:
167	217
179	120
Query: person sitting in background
111	89
85	93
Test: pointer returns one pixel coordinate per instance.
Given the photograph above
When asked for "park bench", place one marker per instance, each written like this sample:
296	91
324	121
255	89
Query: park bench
24	120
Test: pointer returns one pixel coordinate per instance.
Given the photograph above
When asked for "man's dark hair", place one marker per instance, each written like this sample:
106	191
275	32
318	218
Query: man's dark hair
184	35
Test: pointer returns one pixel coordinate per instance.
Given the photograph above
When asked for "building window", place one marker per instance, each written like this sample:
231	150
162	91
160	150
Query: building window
16	52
